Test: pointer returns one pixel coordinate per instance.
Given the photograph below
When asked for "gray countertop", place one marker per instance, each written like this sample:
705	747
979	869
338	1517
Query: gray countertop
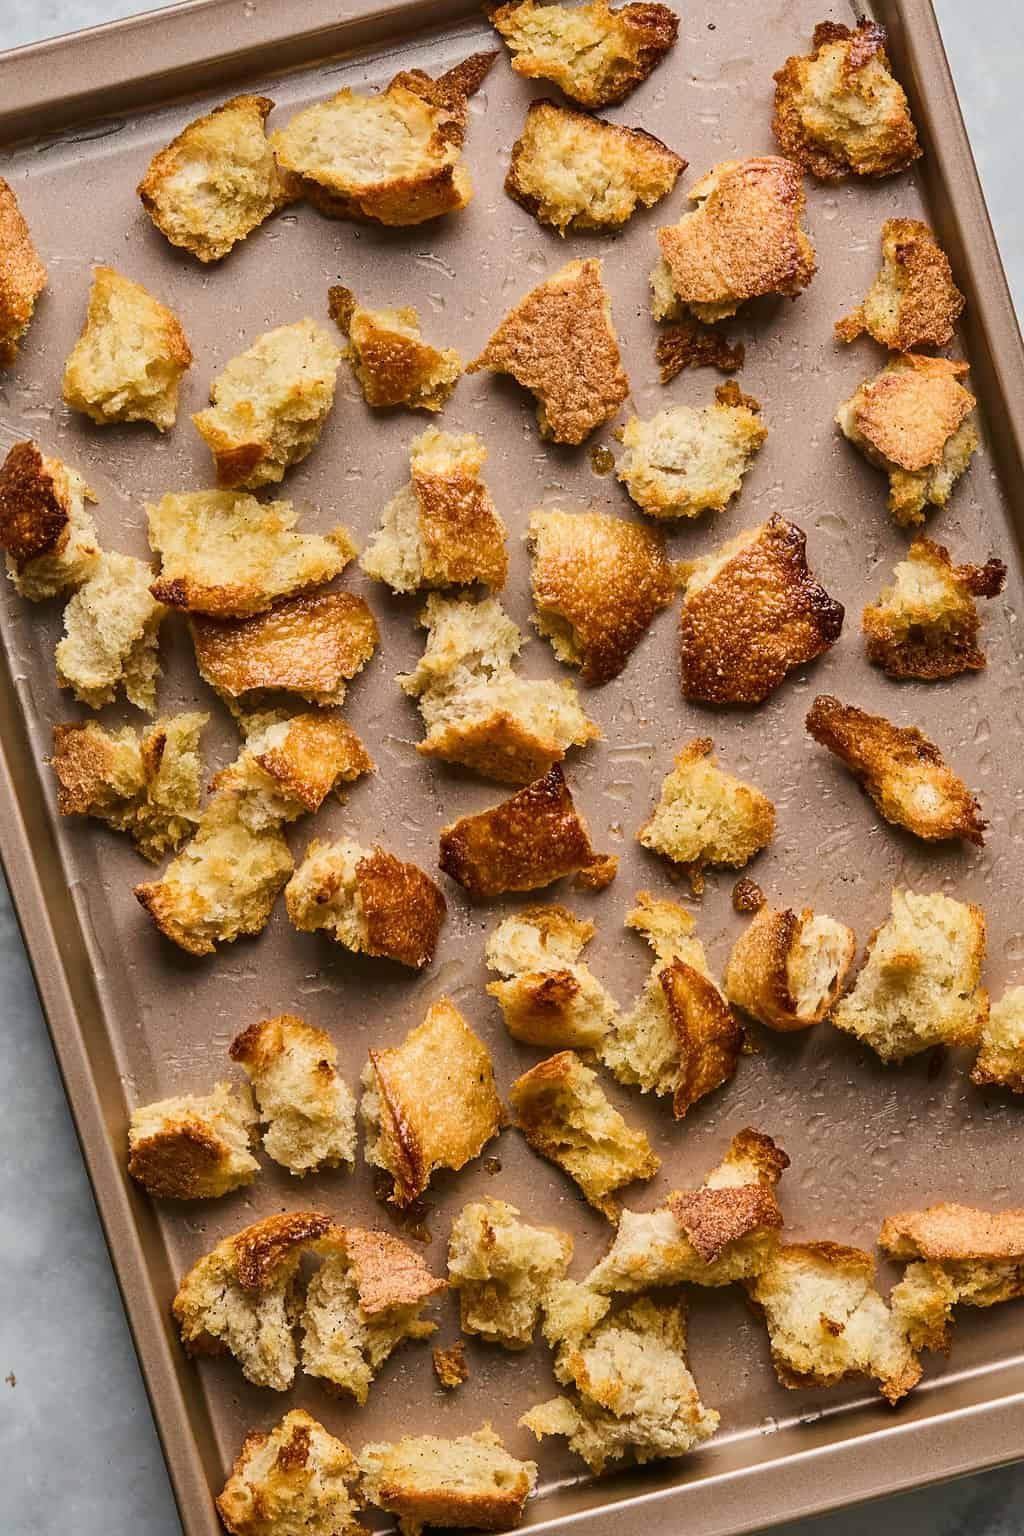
77	1444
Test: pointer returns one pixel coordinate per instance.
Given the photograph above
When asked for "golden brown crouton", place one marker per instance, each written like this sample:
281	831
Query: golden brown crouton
296	1478
46	530
502	1269
289	765
112	635
450	1365
193	1147
913	302
787	970
970	1258
127	363
692	344
547	995
753	611
705	816
1000	1058
744	239
307	1108
594	54
918	986
442	529
578	172
684	461
22	275
394	158
560	343
470	1481
598	582
369	902
904	773
926	623
839	112
429	1103
392	363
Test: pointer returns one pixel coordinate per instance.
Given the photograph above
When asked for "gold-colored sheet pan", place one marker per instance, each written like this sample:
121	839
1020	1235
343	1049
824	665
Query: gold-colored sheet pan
133	1020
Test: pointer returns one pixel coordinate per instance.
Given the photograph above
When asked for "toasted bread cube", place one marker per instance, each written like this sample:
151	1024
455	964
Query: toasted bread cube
296	1478
839	112
129	359
753	611
684	461
429	1103
148	787
228	555
477	711
706	816
194	1147
575	171
369	902
216	181
547	995
969	1258
469	1481
502	1269
395	158
787	970
392	363
689	343
744	239
46	529
289	766
904	773
442	529
561	1109
918	986
306	1106
22	275
559	342
926	623
912	420
595	55
242	1298
112	635
913	302
1000	1058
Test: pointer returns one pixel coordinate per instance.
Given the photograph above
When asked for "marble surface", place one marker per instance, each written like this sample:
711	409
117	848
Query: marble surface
77	1444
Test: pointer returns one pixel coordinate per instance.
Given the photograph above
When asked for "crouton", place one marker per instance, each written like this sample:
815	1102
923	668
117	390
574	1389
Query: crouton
685	461
918	986
913	302
46	529
904	773
559	342
148	787
839	112
502	1269
217	181
692	344
744	239
394	158
369	902
1000	1059
912	420
970	1258
442	529
228	555
578	172
598	583
527	841
296	1478
925	624
706	816
22	275
561	1109
450	1365
392	363
429	1103
242	1298
365	1298
127	363
193	1147
787	970
595	55
307	1109
289	766
469	1481
112	635
547	995
477	711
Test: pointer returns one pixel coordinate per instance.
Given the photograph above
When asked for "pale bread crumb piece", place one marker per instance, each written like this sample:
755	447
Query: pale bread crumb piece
112	635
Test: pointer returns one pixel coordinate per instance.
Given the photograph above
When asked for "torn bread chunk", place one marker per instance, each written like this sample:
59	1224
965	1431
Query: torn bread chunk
502	1268
706	816
392	363
368	901
429	1103
127	363
562	1110
288	766
441	529
297	1478
925	624
225	554
22	275
744	239
839	112
194	1147
788	969
595	55
918	986
559	342
1000	1059
306	1107
685	461
548	996
913	421
394	158
112	635
689	343
578	172
598	582
243	1299
470	1481
904	773
46	530
965	1257
913	302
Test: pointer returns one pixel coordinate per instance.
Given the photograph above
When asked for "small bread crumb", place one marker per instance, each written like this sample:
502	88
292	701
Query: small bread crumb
451	1366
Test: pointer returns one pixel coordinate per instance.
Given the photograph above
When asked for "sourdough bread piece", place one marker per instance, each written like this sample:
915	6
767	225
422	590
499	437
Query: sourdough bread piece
913	302
127	363
22	275
368	901
305	1105
295	1481
1000	1059
966	1257
502	1269
925	624
706	816
685	460
193	1147
595	55
289	765
468	1481
112	635
46	530
548	996
392	363
787	969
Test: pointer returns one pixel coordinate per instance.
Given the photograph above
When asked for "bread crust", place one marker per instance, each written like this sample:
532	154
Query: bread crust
393	365
22	275
913	301
911	409
691	344
714	1218
616	49
34	518
949	1231
930	632
758	977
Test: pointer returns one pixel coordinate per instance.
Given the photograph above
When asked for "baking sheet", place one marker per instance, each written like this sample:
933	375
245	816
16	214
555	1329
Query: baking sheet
134	1019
